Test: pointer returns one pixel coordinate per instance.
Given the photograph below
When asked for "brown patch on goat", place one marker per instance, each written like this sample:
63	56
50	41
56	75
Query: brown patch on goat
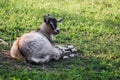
15	53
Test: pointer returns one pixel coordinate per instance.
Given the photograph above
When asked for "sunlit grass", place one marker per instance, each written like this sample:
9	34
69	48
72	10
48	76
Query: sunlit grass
92	26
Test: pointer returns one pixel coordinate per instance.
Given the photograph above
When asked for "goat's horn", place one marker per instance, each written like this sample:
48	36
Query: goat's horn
60	20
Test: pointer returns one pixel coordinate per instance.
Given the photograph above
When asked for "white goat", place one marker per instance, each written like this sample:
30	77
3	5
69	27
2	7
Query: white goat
37	46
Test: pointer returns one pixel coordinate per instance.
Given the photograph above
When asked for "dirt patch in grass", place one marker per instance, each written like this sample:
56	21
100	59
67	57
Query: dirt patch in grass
4	56
5	59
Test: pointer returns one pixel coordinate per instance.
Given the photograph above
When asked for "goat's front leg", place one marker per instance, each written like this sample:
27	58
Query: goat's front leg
59	52
67	51
63	52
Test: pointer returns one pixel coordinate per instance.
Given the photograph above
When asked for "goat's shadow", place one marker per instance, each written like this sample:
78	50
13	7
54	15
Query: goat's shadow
6	61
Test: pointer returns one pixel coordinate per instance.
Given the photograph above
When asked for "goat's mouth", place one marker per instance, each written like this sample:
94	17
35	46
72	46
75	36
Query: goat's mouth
56	32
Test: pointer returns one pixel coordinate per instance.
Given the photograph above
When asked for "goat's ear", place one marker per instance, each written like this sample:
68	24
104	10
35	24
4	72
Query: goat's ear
46	19
60	20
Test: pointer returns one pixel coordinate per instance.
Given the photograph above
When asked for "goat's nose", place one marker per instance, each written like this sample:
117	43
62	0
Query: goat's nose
57	30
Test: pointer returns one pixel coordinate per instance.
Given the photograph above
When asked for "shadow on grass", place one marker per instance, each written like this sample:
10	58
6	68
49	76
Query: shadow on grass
6	60
86	66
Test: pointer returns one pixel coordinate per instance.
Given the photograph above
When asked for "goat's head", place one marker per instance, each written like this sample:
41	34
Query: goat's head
52	23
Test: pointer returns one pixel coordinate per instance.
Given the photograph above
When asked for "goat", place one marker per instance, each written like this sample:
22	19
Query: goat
38	46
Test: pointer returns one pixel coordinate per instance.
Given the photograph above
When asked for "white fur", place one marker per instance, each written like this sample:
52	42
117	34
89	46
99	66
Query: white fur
37	60
52	37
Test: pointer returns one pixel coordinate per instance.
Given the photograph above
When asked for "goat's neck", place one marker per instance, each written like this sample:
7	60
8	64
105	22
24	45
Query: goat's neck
46	32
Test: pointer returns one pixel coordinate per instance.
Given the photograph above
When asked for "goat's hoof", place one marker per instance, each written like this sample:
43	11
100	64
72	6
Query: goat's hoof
70	47
65	57
73	50
72	55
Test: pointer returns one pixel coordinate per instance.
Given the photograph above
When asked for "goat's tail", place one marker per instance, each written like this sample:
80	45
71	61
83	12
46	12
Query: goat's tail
14	52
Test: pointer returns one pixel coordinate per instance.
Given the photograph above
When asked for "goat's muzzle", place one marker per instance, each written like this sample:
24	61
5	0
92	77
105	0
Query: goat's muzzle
56	31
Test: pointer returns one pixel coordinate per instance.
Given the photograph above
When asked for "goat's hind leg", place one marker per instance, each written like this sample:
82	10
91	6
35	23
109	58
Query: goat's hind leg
34	60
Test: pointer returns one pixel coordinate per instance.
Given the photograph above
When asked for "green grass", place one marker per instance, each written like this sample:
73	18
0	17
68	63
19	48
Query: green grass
92	26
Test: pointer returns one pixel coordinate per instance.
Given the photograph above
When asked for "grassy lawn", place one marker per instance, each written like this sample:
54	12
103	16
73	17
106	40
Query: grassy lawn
92	26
